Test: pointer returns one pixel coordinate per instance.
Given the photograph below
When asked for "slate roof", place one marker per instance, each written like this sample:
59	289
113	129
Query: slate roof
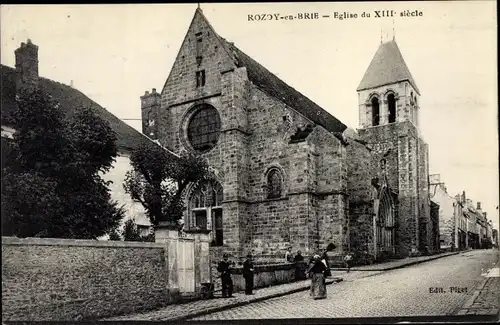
387	67
274	86
69	98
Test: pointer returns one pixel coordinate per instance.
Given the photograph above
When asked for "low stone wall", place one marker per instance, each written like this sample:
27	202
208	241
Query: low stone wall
62	279
265	275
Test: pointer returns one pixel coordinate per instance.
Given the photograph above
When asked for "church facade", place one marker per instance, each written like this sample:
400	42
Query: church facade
286	172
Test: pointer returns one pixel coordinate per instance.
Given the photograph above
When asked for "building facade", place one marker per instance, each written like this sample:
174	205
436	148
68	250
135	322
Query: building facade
449	219
489	232
494	236
286	172
461	235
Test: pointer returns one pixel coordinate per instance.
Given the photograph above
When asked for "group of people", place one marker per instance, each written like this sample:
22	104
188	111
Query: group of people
225	268
317	269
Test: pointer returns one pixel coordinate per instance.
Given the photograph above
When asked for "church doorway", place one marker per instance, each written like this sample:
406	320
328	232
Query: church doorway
385	224
205	210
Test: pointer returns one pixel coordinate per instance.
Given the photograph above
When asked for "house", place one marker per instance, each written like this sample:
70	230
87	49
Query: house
26	73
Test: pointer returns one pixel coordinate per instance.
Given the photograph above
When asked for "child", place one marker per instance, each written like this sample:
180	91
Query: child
347	261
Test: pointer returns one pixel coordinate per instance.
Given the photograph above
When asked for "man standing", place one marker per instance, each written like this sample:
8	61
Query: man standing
225	269
248	274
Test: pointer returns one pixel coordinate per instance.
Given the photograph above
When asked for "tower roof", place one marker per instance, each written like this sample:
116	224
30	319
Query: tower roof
387	67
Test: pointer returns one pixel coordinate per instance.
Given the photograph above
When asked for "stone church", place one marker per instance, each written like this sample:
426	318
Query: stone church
287	172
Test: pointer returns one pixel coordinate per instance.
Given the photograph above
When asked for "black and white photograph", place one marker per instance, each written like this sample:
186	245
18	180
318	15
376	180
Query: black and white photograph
274	162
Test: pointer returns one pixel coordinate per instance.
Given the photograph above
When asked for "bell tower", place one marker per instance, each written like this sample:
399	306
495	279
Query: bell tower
389	124
388	93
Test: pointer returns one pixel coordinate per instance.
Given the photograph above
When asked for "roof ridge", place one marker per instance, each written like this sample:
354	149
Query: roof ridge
300	97
69	98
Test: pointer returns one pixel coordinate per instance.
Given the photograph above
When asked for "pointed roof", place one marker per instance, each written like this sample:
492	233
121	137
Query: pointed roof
69	98
277	88
387	67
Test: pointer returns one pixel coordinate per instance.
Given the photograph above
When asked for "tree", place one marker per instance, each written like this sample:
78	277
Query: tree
131	233
159	180
114	235
52	184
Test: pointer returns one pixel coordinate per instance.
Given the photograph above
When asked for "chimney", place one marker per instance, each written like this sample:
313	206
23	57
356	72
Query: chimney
478	206
150	107
27	64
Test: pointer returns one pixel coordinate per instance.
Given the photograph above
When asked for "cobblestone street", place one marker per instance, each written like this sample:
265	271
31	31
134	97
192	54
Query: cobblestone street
439	287
485	300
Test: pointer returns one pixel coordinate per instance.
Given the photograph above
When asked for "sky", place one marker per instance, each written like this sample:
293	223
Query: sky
114	53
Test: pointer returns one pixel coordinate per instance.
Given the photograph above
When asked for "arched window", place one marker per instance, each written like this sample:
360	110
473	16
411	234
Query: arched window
375	111
274	184
391	102
416	104
205	209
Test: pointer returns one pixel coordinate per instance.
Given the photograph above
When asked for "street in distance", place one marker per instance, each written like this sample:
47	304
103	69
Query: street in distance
335	15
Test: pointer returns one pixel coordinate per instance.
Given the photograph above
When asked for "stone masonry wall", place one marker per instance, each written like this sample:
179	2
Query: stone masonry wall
446	215
225	89
331	189
60	279
398	144
180	86
270	123
360	172
291	220
423	190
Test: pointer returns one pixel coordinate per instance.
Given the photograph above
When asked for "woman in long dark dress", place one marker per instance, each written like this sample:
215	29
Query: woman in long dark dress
317	273
299	266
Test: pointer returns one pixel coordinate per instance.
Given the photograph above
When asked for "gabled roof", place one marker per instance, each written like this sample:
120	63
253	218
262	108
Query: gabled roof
69	98
387	67
277	88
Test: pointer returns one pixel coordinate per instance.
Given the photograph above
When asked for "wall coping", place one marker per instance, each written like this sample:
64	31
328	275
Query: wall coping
77	242
238	269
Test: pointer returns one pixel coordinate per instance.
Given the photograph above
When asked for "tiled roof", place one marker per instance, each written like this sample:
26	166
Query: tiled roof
274	86
386	67
69	98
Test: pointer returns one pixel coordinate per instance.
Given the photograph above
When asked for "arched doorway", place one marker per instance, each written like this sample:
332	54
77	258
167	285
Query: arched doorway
205	209
385	222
